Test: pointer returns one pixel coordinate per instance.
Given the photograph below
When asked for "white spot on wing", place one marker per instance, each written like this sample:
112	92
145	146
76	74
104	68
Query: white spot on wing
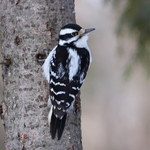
75	88
59	108
56	115
61	117
54	74
58	102
57	93
52	98
71	107
62	101
64	110
71	95
67	104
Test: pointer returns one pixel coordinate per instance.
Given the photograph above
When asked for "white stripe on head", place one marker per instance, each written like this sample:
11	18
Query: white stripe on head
67	31
67	41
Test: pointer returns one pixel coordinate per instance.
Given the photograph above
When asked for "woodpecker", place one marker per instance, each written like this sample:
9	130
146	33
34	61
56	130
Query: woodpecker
65	69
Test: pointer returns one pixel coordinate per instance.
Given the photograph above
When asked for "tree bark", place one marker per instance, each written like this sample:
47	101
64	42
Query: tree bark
28	27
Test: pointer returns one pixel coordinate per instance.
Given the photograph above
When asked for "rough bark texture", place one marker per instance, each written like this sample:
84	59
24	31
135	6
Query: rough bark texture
28	27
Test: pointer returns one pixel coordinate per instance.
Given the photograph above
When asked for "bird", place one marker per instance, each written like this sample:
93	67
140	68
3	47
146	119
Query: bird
65	69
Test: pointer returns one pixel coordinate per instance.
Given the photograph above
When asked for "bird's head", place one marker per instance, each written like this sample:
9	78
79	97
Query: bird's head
74	34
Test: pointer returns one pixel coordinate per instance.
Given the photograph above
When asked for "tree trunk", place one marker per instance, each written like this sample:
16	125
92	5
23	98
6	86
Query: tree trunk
28	27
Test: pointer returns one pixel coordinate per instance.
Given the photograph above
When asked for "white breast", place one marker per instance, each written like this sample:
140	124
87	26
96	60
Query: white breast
82	43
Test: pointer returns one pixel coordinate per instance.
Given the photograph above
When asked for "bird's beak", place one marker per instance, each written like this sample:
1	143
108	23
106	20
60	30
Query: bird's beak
89	30
85	31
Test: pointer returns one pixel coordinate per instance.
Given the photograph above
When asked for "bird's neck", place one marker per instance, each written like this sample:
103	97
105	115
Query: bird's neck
82	42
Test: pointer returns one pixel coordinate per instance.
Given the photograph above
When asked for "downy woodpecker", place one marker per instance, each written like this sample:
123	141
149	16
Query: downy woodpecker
65	69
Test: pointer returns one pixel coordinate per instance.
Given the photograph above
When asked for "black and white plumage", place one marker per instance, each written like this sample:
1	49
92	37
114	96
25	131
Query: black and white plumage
65	69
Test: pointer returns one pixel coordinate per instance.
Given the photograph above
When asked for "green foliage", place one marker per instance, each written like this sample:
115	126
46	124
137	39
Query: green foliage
136	18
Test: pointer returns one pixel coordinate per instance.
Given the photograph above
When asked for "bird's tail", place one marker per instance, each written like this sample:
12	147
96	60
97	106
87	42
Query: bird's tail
56	125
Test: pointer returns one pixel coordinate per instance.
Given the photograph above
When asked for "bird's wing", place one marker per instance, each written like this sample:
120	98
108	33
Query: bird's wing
63	89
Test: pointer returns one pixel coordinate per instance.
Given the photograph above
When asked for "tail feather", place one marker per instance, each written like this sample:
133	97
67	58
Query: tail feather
61	126
53	125
57	125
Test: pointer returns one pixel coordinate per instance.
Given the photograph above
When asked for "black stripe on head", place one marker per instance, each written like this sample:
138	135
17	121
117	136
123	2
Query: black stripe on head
72	26
67	36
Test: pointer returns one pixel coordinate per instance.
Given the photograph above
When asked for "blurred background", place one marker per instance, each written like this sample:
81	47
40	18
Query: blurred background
116	92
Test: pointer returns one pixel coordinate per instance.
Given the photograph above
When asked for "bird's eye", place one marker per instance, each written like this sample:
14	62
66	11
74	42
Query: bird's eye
74	34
